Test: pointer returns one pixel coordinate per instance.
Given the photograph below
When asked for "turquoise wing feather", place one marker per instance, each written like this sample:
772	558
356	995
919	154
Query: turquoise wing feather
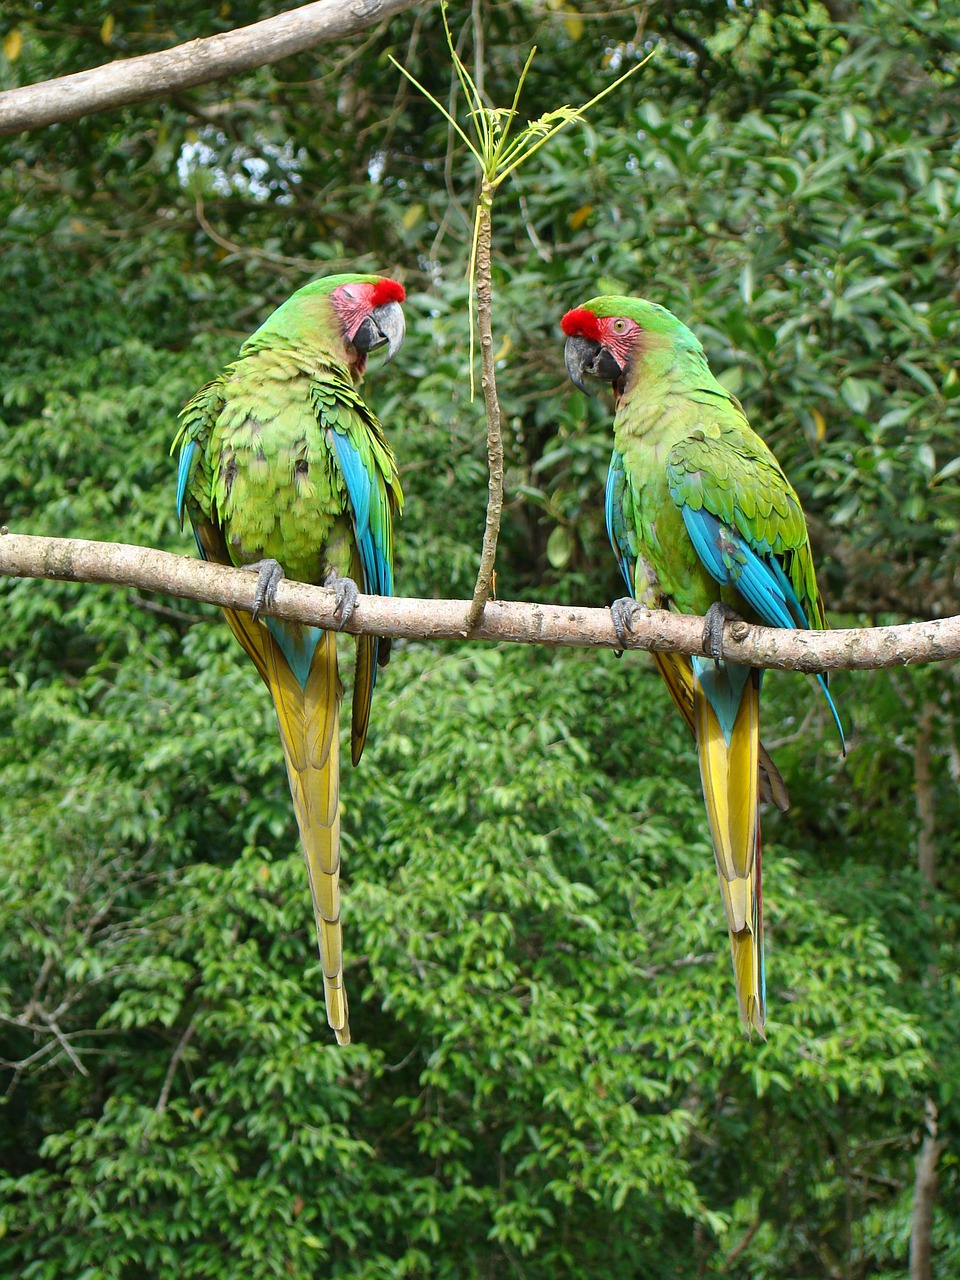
369	471
747	527
194	476
619	525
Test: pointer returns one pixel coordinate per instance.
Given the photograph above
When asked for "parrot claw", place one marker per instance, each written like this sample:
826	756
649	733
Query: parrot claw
713	623
269	577
347	593
623	614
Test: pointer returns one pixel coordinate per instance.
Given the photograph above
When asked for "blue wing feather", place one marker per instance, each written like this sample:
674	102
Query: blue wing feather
183	476
728	557
613	511
374	554
298	643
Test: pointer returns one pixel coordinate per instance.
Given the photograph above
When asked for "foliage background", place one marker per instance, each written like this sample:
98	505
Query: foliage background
550	1078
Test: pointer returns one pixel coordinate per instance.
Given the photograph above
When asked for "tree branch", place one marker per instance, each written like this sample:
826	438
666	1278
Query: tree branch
927	1175
155	75
924	1198
117	564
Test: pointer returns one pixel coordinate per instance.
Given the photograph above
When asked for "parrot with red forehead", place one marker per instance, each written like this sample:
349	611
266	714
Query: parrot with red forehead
285	471
703	521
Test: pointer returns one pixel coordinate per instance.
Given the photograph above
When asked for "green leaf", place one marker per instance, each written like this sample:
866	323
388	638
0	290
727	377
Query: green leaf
856	392
559	547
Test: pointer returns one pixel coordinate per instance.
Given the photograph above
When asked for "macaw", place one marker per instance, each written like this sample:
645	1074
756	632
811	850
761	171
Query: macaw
284	470
702	520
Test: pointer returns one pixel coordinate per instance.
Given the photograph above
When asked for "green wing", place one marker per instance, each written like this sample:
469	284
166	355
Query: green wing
369	470
195	476
746	522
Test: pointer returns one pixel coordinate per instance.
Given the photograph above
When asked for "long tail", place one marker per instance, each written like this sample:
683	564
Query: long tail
726	712
677	672
299	666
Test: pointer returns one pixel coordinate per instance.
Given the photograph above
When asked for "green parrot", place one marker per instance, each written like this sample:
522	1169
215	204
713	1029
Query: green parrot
703	521
284	469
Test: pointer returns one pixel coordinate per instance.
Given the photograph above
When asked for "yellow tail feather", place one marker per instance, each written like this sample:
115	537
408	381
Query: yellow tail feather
365	673
677	672
730	778
309	731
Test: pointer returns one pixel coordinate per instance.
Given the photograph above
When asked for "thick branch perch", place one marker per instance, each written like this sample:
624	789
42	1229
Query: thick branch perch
72	560
156	74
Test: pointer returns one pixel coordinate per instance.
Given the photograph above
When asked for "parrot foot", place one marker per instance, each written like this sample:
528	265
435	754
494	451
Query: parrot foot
713	623
623	614
269	577
347	593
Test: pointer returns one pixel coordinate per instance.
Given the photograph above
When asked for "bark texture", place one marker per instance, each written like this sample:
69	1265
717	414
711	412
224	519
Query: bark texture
74	560
491	531
156	75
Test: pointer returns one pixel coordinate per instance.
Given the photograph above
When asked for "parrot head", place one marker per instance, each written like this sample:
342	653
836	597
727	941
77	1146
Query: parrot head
350	314
608	337
370	314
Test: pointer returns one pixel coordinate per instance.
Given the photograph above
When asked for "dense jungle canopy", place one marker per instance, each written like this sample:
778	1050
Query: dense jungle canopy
549	1078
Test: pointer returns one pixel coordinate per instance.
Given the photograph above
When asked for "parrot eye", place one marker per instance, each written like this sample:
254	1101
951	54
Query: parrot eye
619	326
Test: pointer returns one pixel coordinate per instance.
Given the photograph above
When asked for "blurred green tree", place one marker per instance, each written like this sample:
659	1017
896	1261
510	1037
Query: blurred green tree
550	1077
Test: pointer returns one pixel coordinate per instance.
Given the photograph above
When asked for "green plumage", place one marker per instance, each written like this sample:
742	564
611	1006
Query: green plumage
280	459
685	441
265	476
700	513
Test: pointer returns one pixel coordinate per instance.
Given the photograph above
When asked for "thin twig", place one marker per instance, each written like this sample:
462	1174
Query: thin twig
164	610
178	1053
242	251
543	253
744	1241
488	382
499	151
66	1046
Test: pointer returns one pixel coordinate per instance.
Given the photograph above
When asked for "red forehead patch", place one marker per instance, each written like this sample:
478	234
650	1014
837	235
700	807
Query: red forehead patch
387	291
581	323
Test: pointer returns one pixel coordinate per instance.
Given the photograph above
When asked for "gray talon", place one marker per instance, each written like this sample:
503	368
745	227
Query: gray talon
347	593
713	623
269	577
623	614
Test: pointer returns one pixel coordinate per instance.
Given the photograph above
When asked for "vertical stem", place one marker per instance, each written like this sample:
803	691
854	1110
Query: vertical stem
925	1185
927	1177
491	530
478	53
926	800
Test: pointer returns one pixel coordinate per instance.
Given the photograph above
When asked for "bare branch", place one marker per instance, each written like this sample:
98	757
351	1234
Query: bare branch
118	564
241	251
925	1189
926	795
164	1098
64	1041
927	1174
155	75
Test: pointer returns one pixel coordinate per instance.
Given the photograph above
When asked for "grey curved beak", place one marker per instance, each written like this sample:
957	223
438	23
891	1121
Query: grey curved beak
584	356
578	355
383	327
